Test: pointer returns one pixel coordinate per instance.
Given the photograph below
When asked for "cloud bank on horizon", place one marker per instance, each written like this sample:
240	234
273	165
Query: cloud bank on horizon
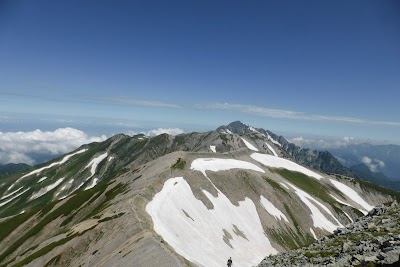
27	147
20	147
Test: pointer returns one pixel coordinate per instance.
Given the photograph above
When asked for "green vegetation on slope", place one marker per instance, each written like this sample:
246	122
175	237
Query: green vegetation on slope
64	210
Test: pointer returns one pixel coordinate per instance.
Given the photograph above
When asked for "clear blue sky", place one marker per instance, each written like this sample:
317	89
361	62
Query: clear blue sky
303	67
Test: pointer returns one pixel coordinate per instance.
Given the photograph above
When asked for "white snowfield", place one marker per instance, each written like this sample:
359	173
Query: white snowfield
47	189
12	193
197	233
94	163
217	164
271	149
229	131
271	209
277	162
93	184
14	197
250	146
319	219
213	149
353	195
67	157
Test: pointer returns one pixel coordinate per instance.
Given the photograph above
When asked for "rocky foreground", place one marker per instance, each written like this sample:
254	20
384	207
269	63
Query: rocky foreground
372	240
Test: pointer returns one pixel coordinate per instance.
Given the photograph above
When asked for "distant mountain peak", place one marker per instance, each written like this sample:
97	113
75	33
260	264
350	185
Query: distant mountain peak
236	127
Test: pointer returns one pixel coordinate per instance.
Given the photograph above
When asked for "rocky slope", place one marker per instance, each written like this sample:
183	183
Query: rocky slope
319	160
188	200
372	240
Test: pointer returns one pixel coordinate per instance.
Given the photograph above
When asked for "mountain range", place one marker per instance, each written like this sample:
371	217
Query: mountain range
10	168
193	199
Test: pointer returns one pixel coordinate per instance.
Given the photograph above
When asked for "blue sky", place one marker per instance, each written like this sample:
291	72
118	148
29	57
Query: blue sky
310	68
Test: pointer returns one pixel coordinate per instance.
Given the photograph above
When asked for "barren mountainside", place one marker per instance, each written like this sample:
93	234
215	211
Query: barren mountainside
193	199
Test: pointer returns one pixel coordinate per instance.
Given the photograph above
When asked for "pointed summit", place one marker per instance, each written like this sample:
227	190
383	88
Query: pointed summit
236	127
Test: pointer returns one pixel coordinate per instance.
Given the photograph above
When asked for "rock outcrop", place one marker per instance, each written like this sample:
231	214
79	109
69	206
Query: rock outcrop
372	240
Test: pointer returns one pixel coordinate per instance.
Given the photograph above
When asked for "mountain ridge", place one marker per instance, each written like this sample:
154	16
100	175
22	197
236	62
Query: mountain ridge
111	193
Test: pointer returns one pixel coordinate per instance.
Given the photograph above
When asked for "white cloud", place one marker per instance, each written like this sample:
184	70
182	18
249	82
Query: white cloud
171	131
324	143
289	114
139	102
17	147
380	163
373	164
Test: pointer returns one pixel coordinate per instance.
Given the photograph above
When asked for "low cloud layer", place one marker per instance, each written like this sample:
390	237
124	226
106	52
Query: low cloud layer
18	147
324	143
373	164
155	132
171	131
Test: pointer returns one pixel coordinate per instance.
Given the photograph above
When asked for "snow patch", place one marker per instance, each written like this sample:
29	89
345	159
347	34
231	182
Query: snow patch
253	129
348	216
12	193
42	179
250	146
273	140
285	186
197	233
340	201
217	164
94	183
229	131
213	149
353	195
49	166
271	149
276	162
110	158
271	209
47	189
319	219
14	197
94	163
313	234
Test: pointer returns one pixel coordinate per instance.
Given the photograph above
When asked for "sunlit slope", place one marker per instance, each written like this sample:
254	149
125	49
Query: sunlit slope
188	200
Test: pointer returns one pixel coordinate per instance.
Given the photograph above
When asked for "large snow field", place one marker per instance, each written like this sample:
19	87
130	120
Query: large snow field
353	195
197	233
249	146
276	162
319	219
217	164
